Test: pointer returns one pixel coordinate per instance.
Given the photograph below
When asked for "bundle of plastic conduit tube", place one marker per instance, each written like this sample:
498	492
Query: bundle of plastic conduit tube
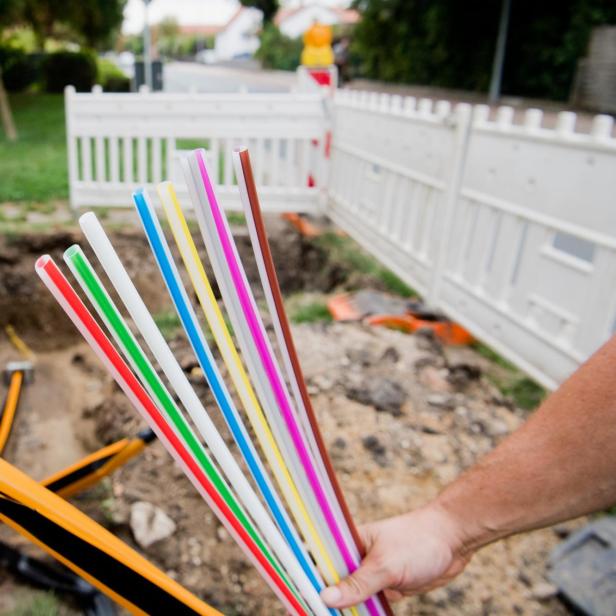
290	518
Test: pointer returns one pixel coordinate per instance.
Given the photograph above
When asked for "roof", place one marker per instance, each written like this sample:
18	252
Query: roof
345	16
211	29
204	29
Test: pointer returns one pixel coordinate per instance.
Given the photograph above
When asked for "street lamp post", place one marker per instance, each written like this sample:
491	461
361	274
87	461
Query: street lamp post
499	53
147	47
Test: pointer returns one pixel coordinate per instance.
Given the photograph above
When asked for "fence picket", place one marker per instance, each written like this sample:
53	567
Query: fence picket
86	159
127	154
157	172
114	159
142	159
99	153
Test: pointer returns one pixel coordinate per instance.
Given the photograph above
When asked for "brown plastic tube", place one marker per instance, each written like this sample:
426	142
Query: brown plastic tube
288	339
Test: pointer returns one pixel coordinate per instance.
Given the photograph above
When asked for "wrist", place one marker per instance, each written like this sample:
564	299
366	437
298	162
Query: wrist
451	527
466	523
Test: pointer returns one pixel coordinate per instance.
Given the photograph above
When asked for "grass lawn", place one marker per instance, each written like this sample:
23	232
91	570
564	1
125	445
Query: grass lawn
33	169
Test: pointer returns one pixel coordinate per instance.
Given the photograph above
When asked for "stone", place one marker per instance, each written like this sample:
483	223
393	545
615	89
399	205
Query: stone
381	393
391	354
426	340
511	420
150	523
188	362
376	448
461	375
429	424
361	357
542	591
435	379
372	443
442	401
339	443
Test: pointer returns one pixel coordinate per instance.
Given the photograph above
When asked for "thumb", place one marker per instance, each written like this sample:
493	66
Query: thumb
366	581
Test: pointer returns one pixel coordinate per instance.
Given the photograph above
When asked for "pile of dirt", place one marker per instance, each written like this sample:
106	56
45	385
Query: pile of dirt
302	265
401	417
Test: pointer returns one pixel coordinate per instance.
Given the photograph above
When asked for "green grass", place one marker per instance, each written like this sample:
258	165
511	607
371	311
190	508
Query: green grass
41	605
34	166
310	313
511	382
347	252
168	322
236	218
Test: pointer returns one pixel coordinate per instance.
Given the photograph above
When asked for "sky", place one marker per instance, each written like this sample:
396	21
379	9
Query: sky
193	12
187	12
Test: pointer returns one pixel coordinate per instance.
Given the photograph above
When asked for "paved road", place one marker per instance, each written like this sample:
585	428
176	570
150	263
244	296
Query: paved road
183	76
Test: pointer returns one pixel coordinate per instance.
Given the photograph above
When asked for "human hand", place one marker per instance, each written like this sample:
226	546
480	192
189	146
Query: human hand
405	555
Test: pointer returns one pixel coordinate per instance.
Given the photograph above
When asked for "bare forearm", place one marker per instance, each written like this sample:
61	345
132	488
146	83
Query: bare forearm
559	465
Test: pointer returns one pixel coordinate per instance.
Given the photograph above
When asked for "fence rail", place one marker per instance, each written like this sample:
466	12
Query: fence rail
509	228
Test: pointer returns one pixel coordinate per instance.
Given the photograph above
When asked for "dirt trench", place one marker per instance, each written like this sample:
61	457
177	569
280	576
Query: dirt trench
428	414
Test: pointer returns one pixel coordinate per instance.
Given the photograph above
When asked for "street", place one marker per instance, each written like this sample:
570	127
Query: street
184	76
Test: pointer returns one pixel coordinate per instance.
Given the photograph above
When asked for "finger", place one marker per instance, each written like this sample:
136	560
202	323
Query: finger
368	534
394	595
366	581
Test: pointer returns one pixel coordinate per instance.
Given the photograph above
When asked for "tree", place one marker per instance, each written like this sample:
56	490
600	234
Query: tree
96	21
92	22
9	10
278	51
169	27
451	44
166	35
269	8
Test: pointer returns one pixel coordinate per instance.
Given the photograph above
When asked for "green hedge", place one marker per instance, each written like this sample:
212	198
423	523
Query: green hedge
65	68
111	77
53	72
19	69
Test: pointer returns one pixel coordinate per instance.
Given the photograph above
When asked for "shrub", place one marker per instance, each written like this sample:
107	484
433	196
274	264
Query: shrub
65	68
111	77
19	70
277	50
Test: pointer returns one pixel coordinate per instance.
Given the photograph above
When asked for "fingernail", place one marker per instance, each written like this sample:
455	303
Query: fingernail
331	595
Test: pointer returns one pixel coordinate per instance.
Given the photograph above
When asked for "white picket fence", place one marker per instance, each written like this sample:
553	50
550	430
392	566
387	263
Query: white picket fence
509	228
117	142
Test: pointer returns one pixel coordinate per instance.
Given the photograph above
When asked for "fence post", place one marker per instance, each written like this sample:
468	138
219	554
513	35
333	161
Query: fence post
444	221
71	146
323	160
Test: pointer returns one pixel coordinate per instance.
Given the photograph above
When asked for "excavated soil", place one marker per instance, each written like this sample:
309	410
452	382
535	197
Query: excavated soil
401	417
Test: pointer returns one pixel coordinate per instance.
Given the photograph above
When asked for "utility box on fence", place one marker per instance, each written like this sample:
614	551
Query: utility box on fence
157	75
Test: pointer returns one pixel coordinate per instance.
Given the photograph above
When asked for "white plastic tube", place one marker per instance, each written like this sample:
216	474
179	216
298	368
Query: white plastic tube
255	368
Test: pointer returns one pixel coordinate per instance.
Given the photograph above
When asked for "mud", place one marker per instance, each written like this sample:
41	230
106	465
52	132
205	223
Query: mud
441	415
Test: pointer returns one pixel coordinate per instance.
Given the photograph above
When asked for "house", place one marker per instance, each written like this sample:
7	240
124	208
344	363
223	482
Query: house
239	37
204	30
294	21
